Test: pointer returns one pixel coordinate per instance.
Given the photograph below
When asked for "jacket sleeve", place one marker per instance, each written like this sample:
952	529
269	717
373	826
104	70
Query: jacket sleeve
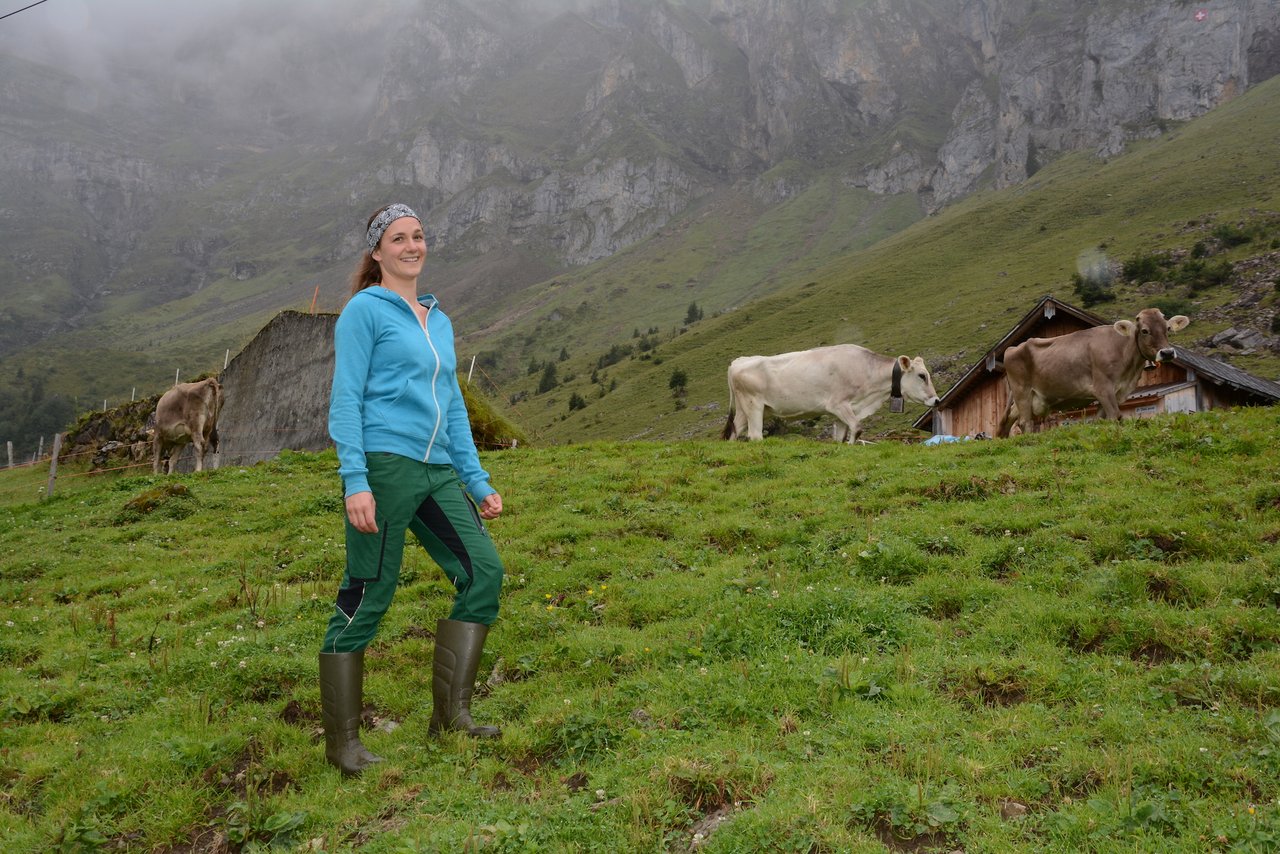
462	447
353	339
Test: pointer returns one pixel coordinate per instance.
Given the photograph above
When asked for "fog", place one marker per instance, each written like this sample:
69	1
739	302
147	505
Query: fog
317	58
293	65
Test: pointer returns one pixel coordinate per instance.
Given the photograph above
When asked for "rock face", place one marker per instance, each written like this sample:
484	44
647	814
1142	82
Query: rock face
577	133
906	95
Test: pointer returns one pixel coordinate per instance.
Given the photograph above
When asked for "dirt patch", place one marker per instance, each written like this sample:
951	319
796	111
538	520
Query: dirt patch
294	715
243	775
925	842
982	687
1153	653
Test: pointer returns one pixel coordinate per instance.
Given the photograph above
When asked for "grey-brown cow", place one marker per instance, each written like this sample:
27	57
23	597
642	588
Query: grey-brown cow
188	412
848	381
1070	371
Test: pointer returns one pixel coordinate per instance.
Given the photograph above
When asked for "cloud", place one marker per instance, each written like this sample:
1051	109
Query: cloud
316	59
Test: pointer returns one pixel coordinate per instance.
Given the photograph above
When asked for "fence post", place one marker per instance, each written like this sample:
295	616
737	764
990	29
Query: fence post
53	465
9	447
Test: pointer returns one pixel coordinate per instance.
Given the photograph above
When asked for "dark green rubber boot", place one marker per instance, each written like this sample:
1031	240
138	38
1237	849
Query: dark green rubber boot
341	701
453	678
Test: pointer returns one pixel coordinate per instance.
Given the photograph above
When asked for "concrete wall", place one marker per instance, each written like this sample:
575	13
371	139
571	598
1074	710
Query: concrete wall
276	392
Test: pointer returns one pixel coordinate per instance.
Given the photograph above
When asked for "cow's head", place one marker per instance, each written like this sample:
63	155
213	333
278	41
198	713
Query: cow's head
916	383
1150	332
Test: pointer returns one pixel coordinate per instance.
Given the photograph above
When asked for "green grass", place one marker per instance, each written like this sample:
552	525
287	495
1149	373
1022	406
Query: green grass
1061	642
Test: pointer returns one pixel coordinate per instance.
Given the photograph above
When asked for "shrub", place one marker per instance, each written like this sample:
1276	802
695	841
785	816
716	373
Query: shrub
1171	306
1143	268
1199	275
1091	291
1229	235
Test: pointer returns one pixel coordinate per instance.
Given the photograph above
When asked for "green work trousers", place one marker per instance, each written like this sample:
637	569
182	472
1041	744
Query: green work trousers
431	501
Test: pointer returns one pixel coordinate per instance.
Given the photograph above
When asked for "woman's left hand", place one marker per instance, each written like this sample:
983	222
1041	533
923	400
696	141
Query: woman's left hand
491	506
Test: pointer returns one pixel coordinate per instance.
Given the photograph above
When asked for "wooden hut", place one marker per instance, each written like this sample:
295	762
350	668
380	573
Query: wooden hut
1190	383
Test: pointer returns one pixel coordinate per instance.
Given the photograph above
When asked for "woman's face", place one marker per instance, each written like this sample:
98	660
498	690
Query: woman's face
402	250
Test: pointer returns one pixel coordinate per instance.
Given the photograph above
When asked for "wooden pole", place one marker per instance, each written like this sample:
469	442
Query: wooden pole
471	370
40	448
175	375
53	465
315	297
9	448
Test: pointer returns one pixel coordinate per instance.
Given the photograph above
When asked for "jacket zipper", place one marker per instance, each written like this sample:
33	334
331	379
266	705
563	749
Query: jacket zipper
434	376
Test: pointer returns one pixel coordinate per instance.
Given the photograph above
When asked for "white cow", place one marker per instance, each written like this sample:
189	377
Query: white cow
846	380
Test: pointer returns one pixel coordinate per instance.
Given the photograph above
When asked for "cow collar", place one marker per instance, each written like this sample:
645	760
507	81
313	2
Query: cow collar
895	389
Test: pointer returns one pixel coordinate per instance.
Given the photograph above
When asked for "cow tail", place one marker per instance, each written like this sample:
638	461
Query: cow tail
728	432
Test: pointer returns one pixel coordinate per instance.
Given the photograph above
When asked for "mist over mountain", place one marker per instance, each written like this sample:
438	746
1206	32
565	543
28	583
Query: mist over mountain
172	175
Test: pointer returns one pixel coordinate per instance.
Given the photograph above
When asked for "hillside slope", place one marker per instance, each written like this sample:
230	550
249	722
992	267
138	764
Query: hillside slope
949	286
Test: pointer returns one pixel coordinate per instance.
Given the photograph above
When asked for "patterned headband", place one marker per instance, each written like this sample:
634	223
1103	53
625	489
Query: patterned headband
388	215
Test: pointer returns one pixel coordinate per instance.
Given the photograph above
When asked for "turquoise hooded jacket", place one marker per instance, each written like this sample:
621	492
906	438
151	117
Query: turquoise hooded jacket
395	389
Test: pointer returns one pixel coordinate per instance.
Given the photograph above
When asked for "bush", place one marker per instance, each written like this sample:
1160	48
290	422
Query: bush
1090	291
1143	268
1229	235
1199	275
1171	306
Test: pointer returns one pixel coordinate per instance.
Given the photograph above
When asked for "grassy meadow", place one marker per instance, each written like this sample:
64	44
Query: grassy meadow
1061	642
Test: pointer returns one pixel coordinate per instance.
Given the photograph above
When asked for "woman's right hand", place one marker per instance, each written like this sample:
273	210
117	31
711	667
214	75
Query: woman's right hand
360	512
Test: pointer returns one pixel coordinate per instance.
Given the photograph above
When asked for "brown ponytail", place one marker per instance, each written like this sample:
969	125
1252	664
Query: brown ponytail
367	272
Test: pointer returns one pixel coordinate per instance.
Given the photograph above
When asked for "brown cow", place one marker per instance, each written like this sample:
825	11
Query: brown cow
188	412
1102	363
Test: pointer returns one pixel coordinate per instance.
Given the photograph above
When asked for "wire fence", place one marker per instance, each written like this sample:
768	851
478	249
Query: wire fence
55	464
44	461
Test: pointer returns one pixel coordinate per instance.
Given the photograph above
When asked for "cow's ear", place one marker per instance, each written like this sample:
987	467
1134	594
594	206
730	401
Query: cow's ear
1125	327
904	363
1178	322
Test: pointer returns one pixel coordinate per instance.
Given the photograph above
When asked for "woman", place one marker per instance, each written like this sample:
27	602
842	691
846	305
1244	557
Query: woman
407	461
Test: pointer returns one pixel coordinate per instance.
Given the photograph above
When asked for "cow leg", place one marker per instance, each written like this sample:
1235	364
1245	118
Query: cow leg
157	454
198	445
1110	406
754	415
838	431
1026	407
847	424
